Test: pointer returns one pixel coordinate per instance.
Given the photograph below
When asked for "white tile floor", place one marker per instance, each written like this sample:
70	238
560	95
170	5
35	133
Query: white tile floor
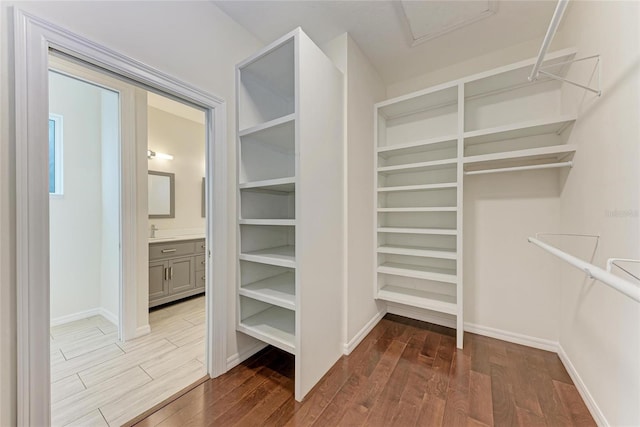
97	380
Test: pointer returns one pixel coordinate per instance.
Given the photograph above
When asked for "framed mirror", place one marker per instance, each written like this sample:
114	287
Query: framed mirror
161	194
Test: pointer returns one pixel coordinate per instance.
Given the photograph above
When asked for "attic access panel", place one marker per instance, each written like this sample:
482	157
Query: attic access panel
430	19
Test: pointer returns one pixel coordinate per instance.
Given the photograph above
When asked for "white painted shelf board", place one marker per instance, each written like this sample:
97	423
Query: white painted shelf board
432	98
275	326
283	256
518	130
418	251
416	209
416	146
278	290
400	230
419	187
416	298
549	154
285	185
288	119
419	167
515	75
283	222
419	272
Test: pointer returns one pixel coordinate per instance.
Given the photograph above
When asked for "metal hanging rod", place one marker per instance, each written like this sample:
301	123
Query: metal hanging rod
623	286
546	42
521	168
538	69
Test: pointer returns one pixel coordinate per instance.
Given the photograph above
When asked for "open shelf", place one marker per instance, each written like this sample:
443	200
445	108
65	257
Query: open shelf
418	209
284	185
541	155
418	298
515	76
266	86
519	130
278	290
275	132
418	251
283	222
275	326
419	272
418	167
416	146
440	231
283	256
419	187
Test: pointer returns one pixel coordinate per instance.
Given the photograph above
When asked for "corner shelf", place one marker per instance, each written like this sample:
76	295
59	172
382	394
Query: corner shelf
419	272
278	290
417	298
275	326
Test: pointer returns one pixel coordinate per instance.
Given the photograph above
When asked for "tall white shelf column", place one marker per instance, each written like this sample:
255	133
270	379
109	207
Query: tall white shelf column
290	203
427	144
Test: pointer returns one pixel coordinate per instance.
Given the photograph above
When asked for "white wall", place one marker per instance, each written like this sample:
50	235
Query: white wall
364	87
185	140
76	216
600	328
209	45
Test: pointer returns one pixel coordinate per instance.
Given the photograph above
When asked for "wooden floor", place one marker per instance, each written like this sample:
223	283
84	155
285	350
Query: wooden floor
404	373
97	380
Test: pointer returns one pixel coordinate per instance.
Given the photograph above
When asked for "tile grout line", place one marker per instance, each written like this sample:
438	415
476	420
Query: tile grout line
103	417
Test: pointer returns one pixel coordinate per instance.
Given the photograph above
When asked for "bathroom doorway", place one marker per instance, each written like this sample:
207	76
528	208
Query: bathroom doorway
103	373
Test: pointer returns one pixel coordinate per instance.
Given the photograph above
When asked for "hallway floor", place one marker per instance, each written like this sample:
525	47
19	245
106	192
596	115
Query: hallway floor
404	373
98	381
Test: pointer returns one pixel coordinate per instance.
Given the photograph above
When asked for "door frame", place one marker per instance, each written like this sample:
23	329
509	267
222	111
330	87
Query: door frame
34	37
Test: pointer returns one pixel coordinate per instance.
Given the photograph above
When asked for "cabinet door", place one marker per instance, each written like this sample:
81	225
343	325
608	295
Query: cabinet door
158	283
181	275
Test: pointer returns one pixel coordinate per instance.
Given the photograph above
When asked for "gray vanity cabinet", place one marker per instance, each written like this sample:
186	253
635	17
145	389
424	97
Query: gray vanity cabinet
176	270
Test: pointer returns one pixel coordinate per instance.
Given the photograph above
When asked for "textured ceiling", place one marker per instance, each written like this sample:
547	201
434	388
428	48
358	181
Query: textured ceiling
382	30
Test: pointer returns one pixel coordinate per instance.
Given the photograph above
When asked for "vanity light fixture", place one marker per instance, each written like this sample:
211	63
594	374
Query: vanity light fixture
155	155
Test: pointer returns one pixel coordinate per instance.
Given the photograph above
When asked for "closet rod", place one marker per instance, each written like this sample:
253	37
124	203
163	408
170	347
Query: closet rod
551	31
522	168
594	272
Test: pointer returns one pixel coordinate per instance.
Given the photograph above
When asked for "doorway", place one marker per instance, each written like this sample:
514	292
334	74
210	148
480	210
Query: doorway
34	39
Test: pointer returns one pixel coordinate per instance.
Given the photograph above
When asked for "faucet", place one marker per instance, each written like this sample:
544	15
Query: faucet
153	230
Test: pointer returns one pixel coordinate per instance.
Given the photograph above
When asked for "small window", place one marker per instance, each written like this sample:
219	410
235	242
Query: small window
55	154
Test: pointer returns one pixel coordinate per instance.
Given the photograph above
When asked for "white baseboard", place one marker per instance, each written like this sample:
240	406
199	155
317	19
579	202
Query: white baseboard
422	315
98	311
595	411
235	359
108	315
357	339
529	341
143	330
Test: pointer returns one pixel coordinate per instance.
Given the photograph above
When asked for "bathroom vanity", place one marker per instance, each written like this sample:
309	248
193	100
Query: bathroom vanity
176	269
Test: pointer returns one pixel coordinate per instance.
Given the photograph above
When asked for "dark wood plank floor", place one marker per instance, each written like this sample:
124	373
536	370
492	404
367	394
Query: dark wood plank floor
404	373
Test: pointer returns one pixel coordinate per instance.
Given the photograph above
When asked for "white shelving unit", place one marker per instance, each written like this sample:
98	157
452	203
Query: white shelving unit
290	252
425	143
